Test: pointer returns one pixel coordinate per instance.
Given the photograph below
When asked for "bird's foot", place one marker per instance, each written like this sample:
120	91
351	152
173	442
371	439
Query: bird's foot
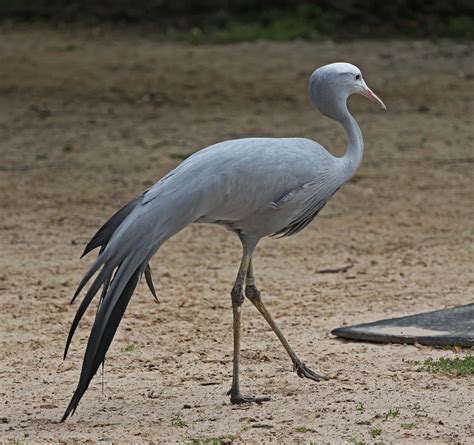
238	398
303	371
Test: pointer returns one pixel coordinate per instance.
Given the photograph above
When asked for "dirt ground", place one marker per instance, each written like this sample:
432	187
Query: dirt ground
90	118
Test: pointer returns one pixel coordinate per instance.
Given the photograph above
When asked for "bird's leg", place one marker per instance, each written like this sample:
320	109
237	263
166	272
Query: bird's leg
253	294
237	300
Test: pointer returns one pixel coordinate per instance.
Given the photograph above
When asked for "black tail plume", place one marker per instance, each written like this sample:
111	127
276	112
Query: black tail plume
106	323
103	279
102	237
118	277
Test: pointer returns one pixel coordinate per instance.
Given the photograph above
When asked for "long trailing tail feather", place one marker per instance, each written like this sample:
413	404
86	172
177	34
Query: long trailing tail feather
127	242
103	331
103	279
99	261
118	278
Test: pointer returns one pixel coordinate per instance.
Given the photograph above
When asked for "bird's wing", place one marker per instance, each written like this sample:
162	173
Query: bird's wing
303	204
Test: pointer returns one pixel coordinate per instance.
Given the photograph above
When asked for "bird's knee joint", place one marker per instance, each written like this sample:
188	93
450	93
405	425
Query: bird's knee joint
252	293
237	295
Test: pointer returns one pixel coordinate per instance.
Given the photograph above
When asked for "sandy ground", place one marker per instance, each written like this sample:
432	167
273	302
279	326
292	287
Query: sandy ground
88	119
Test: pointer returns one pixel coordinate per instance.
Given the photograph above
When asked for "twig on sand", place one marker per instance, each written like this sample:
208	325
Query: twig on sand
336	269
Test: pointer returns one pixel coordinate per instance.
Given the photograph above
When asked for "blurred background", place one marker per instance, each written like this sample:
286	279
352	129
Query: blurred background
238	20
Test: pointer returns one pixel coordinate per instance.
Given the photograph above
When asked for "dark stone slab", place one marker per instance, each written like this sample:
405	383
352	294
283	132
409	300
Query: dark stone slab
447	327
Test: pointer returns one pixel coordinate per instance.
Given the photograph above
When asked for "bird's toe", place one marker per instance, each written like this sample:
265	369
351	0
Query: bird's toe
304	372
241	398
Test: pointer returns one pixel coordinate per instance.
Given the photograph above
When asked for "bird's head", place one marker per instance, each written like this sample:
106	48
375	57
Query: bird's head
331	85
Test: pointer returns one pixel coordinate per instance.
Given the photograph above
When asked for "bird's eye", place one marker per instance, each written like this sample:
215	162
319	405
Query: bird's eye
357	76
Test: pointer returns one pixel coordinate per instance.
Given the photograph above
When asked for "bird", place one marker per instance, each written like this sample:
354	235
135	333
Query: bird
254	187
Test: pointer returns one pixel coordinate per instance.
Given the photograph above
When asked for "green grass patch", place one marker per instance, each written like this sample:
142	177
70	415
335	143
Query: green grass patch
221	21
375	431
304	429
178	421
308	21
305	21
391	414
355	441
129	348
408	426
444	365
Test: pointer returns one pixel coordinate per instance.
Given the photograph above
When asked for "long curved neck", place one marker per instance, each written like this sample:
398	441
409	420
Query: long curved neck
355	145
350	161
332	102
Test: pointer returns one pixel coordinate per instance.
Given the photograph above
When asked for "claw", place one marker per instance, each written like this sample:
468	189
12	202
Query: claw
240	398
303	371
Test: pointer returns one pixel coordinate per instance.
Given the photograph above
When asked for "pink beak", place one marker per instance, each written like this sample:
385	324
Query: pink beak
369	94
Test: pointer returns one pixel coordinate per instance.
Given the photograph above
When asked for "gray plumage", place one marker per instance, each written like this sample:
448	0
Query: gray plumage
255	187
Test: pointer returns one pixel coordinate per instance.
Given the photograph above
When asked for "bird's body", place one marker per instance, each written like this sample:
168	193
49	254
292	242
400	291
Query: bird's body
280	175
255	187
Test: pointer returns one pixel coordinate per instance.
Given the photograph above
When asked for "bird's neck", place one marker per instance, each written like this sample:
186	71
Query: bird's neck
355	146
